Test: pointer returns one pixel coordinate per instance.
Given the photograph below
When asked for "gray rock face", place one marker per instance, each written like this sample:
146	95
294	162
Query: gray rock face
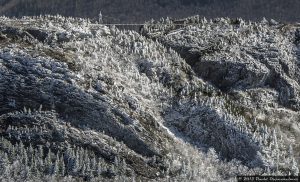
75	94
226	74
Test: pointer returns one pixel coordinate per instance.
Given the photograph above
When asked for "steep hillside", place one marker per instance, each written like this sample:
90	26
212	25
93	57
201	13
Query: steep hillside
82	101
256	64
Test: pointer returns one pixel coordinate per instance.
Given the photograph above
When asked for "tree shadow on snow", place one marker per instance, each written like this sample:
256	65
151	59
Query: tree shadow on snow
204	128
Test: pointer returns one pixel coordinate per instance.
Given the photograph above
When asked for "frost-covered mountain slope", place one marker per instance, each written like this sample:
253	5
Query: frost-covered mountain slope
86	101
256	64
